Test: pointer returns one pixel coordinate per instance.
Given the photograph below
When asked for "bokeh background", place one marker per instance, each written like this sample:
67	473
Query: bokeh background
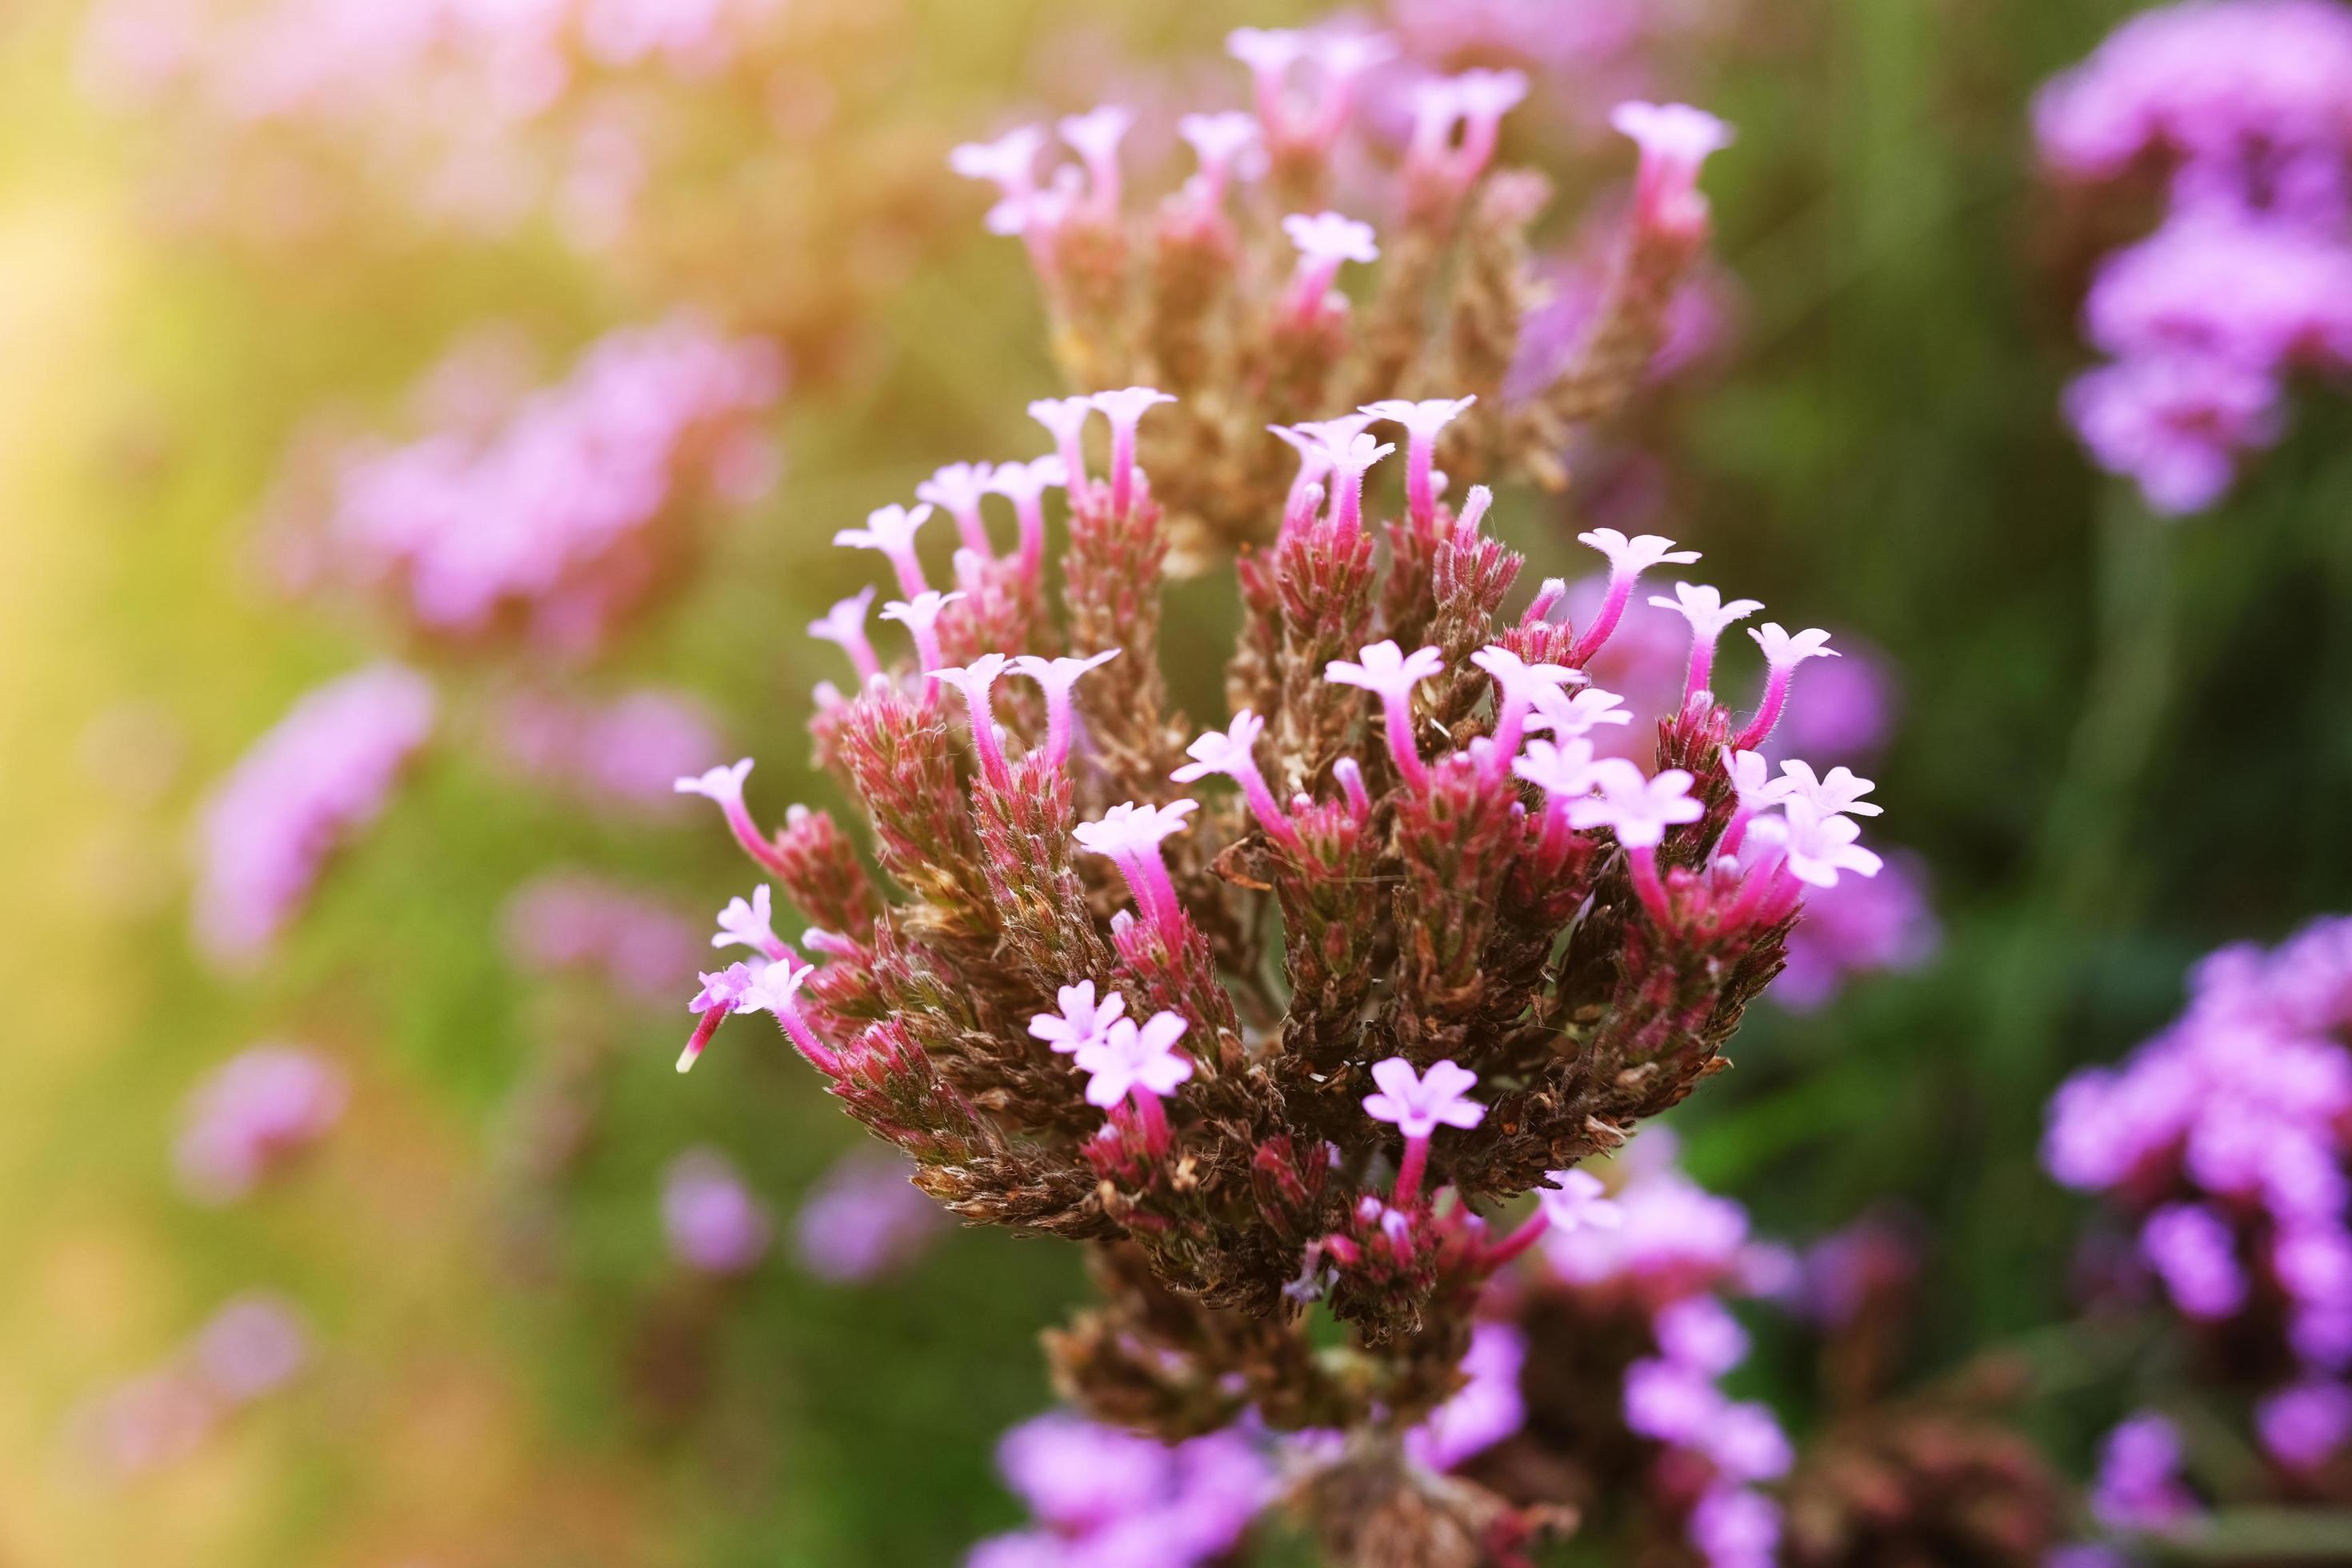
2121	743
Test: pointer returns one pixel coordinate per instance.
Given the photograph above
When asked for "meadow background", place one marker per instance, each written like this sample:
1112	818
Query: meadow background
2122	742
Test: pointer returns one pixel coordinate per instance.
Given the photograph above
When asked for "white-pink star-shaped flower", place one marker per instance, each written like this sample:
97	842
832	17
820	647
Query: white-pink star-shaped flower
1332	237
1840	791
1128	1056
1575	1201
1563	770
735	988
1638	810
1705	608
1579	712
1127	828
1229	752
892	530
1082	1020
1056	678
1675	140
1631	557
845	626
1386	669
1786	650
1751	777
751	925
1816	844
958	489
723	785
1010	164
1417	1104
1065	418
1422	420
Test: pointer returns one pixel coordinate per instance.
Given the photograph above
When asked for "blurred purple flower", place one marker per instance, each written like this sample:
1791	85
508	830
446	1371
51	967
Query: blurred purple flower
302	791
2138	1485
1484	1411
1865	925
571	921
713	1224
254	1112
865	1219
623	753
1108	1499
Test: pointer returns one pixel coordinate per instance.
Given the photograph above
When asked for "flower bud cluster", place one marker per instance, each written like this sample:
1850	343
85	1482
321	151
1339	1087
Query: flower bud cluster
1251	283
1294	1043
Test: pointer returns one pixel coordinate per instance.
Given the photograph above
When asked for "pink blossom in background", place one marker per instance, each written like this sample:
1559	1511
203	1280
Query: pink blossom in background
2138	1485
621	754
571	922
437	99
1852	705
560	519
1484	1411
304	790
2225	1141
1676	1239
865	1219
2247	106
1106	1498
1700	321
1865	925
252	1347
713	1223
255	1112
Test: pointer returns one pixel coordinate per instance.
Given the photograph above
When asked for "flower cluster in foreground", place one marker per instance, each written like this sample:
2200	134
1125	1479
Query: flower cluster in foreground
1228	291
2224	1142
1296	1041
2245	108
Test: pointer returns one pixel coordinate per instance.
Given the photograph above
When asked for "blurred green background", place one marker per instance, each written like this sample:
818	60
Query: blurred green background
2123	743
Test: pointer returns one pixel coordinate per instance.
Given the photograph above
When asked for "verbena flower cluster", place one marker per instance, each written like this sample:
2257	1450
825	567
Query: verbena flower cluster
1227	292
1627	1334
1293	1043
2224	1142
1102	1498
2243	108
322	775
550	519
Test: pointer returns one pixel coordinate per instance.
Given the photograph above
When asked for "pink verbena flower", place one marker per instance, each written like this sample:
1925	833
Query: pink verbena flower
1129	836
1082	1020
1389	672
1131	1058
1417	1104
1676	139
